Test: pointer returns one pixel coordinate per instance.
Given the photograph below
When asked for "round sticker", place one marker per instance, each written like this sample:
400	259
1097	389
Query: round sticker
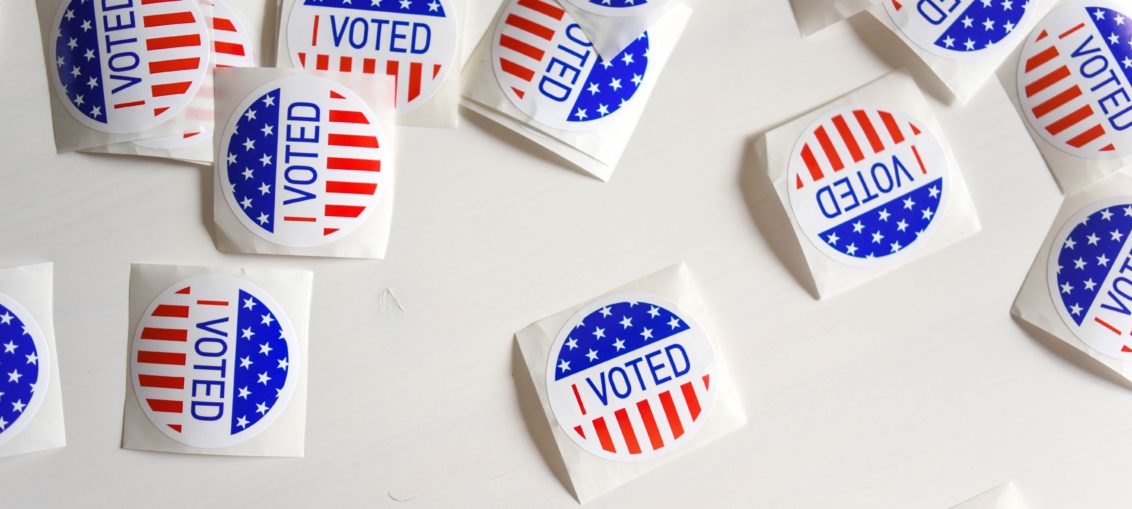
25	368
629	377
952	28
866	183
618	7
1090	276
212	361
302	161
125	66
234	48
414	41
1075	80
548	68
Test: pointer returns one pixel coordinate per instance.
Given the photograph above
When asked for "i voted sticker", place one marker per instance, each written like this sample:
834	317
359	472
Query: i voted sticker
213	361
124	66
1090	276
1075	80
302	161
548	69
953	28
630	377
414	41
25	368
232	47
867	183
618	8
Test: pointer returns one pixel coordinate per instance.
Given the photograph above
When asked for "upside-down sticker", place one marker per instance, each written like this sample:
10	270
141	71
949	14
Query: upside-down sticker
954	28
866	184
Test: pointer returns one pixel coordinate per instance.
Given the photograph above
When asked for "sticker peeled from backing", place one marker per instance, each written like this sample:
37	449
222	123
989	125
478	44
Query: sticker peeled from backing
954	28
1075	80
213	361
1090	276
866	183
617	8
124	66
414	41
548	69
629	377
233	48
25	368
302	161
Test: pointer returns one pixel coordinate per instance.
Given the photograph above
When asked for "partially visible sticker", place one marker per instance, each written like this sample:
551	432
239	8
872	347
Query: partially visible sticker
1089	275
214	361
548	69
629	377
25	368
955	28
303	162
617	8
232	47
414	41
1075	80
867	183
125	66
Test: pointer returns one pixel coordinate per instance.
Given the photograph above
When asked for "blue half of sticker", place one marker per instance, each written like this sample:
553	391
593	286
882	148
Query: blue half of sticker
612	82
1089	253
262	362
19	367
614	331
619	4
251	165
78	60
411	7
1119	38
981	25
889	229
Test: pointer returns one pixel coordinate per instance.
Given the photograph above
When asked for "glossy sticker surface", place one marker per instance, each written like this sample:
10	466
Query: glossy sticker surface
867	184
303	161
124	66
214	361
956	28
1075	80
415	41
630	377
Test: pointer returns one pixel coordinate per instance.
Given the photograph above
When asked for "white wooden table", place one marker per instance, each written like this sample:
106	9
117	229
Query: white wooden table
917	390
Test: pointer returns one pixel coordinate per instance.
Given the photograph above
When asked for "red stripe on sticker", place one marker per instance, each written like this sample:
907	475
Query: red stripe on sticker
1087	137
171	311
348	117
691	399
870	131
1042	58
229	48
162	382
1047	81
414	80
847	136
828	148
352	140
334	186
516	45
174	41
173	359
346	163
160	334
529	26
223	24
811	163
172	18
603	434
165	405
650	424
546	8
892	126
344	210
1070	120
670	413
627	431
178	64
1057	101
165	89
516	70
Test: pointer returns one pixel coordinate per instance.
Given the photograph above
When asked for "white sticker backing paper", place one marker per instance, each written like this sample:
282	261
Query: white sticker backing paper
1072	83
631	380
869	184
217	361
31	401
303	165
537	73
1079	288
